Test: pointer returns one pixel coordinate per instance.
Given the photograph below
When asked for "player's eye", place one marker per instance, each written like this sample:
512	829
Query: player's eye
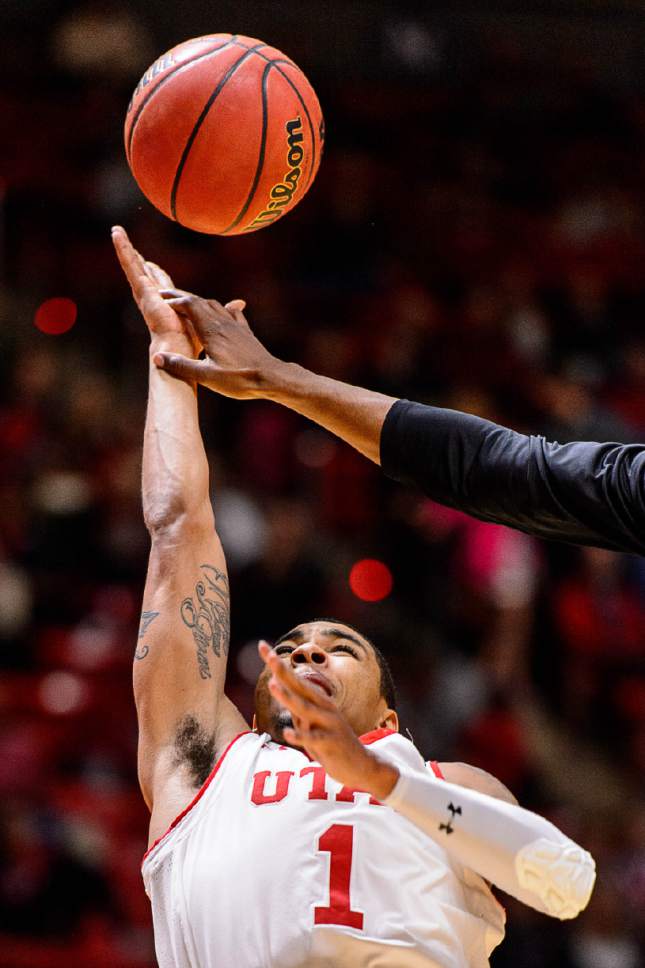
345	648
283	649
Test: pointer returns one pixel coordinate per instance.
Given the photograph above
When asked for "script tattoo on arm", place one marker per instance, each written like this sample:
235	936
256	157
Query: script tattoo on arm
207	615
147	618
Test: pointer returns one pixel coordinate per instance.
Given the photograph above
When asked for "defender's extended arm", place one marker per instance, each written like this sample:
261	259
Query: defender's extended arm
580	492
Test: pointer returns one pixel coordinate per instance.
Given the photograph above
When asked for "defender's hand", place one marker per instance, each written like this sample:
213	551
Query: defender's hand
146	280
236	362
325	734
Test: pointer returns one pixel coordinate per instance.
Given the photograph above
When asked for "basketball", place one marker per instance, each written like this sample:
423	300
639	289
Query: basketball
224	134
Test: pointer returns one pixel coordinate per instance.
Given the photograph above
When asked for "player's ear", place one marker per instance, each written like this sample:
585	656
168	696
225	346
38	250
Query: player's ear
389	720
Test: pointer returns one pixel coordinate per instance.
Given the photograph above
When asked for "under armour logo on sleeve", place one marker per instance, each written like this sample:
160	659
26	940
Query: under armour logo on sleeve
448	827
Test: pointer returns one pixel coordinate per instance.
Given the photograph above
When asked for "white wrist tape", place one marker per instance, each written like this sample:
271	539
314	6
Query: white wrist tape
515	849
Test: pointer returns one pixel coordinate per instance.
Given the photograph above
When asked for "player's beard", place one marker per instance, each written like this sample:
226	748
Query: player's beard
283	720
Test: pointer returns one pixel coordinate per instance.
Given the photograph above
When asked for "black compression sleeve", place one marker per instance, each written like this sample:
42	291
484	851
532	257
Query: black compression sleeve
581	492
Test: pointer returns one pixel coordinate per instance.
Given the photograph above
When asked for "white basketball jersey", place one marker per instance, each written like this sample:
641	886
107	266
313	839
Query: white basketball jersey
276	865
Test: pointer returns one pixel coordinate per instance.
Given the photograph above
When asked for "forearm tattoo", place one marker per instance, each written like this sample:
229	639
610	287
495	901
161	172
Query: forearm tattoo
207	615
147	618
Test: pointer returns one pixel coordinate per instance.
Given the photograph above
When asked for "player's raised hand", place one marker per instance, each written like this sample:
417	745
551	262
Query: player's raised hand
235	359
324	733
146	281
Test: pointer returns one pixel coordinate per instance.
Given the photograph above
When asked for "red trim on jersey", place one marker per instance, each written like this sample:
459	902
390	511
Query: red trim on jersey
200	793
371	737
436	769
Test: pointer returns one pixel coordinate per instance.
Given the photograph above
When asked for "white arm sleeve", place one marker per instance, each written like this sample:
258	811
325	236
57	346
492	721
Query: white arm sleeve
511	847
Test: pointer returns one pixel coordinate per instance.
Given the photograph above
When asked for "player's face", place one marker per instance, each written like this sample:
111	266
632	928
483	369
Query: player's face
338	661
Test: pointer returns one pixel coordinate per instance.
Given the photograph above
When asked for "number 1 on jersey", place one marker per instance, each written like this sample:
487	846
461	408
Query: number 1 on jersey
338	842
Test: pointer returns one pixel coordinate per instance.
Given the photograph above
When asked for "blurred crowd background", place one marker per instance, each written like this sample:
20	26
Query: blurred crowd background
475	239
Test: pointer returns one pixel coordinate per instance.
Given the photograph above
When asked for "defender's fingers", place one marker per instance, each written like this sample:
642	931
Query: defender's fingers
181	304
172	292
214	304
236	306
192	307
182	367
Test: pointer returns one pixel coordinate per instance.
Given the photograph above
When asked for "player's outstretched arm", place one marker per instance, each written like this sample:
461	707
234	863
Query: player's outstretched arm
180	660
581	492
513	848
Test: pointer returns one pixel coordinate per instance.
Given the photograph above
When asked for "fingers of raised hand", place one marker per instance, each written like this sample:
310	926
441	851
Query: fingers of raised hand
293	736
303	736
264	650
158	276
284	676
292	691
307	704
131	261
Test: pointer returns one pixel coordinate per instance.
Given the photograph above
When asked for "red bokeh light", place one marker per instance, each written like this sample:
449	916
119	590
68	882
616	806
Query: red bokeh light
370	580
56	316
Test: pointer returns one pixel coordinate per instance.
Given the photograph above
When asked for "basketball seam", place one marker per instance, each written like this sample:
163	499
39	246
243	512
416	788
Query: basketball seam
166	77
263	141
200	120
269	60
238	43
308	116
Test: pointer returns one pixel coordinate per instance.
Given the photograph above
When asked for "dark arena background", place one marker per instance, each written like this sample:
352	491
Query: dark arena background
476	239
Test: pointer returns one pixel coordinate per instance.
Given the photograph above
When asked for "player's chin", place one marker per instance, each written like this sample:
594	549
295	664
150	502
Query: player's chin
281	721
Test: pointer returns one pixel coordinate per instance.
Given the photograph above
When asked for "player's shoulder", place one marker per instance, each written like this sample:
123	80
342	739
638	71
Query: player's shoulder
393	746
401	749
463	774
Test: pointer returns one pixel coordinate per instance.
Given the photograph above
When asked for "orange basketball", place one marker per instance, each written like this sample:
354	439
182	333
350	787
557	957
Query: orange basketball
224	134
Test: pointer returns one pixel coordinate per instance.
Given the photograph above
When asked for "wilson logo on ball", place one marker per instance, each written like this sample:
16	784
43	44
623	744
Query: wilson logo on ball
283	192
